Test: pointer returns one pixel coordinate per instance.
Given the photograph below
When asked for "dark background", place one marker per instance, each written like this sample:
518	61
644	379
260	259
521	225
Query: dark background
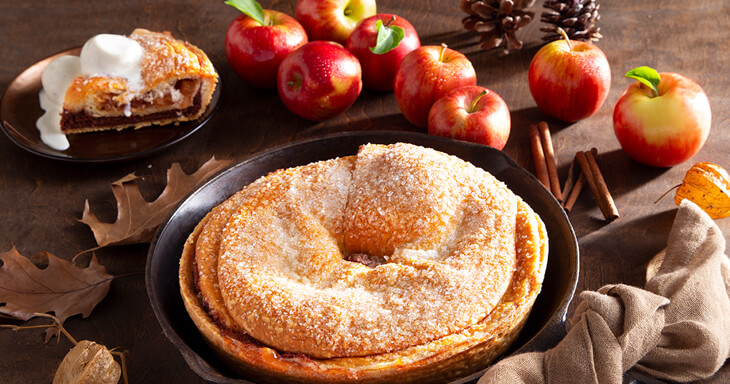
41	199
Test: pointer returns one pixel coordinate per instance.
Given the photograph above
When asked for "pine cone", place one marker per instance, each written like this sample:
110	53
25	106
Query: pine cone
497	21
575	17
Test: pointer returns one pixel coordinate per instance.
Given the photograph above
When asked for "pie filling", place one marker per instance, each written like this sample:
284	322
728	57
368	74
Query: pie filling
183	100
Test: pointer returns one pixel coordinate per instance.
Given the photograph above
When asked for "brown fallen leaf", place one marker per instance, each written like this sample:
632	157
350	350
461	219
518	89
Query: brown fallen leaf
137	219
61	287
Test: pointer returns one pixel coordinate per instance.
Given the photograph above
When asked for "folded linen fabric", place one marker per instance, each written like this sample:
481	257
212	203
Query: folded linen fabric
677	328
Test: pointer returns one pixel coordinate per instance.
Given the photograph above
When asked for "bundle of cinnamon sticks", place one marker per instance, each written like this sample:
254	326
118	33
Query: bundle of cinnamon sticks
587	172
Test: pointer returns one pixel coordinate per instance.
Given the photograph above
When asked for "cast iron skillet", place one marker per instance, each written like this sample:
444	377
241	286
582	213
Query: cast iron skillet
544	327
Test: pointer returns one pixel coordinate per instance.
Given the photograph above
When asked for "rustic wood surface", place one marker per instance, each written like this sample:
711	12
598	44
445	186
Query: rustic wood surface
41	199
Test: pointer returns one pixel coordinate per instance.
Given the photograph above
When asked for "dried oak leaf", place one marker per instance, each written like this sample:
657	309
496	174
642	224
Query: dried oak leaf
61	287
137	219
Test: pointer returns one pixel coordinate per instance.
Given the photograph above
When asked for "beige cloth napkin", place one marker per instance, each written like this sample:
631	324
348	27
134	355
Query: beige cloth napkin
677	328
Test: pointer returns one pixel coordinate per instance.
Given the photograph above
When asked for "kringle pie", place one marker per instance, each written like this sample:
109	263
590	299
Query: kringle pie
178	81
398	264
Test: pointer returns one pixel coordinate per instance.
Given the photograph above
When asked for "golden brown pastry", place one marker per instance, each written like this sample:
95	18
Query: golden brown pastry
398	264
177	84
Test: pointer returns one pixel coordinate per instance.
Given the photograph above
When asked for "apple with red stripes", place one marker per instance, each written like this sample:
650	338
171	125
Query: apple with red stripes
319	80
471	113
425	75
332	20
258	40
381	42
569	80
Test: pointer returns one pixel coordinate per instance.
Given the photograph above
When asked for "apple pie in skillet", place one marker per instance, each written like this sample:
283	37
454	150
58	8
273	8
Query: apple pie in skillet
398	264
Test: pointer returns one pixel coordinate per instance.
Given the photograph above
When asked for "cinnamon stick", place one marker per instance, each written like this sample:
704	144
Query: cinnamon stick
569	182
573	184
577	188
595	180
552	169
539	157
608	202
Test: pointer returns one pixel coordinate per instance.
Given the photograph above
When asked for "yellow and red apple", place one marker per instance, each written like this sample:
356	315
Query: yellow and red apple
319	80
569	80
258	40
381	42
664	122
332	20
471	113
425	75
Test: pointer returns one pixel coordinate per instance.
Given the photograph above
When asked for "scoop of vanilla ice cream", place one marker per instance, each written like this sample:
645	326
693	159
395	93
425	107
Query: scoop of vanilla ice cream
58	76
114	55
107	54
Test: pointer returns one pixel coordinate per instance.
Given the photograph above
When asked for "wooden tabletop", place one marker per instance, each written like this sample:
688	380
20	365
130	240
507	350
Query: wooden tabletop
41	199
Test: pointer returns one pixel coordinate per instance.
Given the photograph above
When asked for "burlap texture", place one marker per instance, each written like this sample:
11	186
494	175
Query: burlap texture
677	328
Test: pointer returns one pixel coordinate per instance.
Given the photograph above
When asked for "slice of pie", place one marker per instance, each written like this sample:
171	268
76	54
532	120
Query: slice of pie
174	83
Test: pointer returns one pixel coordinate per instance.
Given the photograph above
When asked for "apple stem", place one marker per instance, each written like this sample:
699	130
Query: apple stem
392	19
443	49
565	36
476	100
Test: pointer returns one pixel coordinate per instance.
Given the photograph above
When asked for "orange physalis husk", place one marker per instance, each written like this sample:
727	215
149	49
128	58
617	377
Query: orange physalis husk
708	186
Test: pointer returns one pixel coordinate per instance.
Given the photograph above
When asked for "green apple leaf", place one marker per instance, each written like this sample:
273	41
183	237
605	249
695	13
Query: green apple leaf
251	8
647	76
388	37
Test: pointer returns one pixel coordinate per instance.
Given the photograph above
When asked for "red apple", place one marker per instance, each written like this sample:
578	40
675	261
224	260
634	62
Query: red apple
471	113
569	80
378	70
665	127
319	80
425	75
332	20
255	50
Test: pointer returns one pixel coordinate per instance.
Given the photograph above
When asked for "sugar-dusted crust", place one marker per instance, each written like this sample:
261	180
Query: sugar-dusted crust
264	275
178	84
